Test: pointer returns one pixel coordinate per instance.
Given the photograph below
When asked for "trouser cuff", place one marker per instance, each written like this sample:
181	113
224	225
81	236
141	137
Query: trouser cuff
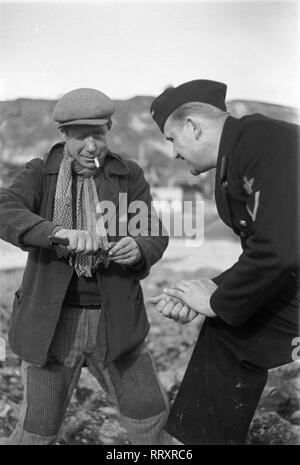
19	437
149	431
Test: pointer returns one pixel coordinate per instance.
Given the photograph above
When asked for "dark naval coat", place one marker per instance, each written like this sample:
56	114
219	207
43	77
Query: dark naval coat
257	195
257	299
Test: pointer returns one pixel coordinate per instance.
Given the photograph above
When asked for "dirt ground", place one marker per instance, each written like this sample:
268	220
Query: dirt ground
93	419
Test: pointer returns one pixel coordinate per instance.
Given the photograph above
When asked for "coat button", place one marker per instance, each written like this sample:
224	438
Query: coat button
243	223
224	183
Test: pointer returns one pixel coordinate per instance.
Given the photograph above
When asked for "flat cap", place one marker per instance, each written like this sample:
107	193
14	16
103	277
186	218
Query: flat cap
200	90
83	106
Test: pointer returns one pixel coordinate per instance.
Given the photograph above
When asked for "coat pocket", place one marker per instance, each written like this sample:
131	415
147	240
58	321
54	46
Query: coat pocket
134	293
19	294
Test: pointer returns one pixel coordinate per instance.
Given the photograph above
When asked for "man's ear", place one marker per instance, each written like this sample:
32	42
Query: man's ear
194	125
63	133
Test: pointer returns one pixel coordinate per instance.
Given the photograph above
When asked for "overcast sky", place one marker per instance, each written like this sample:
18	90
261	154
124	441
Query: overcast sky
126	48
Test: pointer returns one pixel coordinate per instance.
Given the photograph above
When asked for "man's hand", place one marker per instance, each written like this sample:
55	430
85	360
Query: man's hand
125	252
195	294
174	308
79	241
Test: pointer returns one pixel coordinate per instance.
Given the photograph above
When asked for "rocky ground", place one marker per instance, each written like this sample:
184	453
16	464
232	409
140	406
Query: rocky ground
92	418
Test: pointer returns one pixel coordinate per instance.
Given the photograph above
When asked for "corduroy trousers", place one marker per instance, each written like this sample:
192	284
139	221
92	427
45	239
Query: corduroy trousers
131	381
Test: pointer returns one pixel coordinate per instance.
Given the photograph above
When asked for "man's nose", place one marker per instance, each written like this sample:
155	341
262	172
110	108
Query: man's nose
90	144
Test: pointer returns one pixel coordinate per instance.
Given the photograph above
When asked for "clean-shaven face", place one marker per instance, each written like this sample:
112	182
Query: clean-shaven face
85	143
188	144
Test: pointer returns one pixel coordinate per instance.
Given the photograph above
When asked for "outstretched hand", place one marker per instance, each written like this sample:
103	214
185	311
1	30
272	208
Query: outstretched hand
195	294
174	308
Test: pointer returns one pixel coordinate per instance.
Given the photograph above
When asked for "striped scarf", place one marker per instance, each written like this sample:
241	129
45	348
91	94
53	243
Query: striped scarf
86	215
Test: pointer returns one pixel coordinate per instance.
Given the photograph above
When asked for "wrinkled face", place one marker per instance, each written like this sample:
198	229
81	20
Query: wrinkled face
85	143
189	144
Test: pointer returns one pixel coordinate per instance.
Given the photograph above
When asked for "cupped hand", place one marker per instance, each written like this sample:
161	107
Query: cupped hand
173	308
125	252
195	294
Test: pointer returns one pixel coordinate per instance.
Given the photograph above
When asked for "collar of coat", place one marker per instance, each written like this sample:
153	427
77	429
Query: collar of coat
113	163
228	141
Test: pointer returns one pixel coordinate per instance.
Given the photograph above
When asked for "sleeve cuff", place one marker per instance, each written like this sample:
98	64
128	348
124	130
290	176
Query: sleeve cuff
138	266
38	235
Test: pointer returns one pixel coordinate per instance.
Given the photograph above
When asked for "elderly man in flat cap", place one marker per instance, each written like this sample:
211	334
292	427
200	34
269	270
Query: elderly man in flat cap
80	302
250	310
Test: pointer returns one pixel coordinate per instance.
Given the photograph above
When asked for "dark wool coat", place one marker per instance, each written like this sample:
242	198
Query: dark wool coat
257	299
257	195
26	210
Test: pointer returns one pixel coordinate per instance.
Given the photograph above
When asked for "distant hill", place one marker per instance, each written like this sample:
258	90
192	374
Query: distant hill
239	108
27	130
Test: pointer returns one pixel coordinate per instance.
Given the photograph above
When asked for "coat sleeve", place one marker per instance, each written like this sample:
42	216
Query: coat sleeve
20	223
268	163
218	279
149	233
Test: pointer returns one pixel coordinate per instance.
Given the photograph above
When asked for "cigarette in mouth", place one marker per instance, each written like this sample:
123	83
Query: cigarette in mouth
96	161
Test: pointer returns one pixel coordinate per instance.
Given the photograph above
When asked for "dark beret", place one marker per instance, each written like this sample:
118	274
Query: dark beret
83	106
200	90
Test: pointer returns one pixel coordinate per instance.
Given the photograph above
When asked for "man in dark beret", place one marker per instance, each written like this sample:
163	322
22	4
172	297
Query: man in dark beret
80	302
250	310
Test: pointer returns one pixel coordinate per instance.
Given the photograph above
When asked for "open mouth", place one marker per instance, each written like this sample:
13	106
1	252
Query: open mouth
179	157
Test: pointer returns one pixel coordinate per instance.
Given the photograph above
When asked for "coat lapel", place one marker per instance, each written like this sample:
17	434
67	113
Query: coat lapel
109	187
221	195
108	191
227	143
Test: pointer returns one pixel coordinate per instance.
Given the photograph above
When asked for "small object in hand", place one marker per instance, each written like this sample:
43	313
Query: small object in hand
58	241
102	256
60	245
103	253
96	161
